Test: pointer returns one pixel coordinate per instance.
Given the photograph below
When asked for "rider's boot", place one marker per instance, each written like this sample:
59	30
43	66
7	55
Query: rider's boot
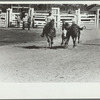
42	35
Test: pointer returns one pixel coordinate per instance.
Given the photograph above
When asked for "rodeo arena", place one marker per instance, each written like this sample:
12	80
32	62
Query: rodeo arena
65	49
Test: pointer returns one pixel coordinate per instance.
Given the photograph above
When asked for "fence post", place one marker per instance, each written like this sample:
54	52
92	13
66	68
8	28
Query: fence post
56	14
31	13
95	22
79	17
98	18
8	17
0	19
76	13
58	18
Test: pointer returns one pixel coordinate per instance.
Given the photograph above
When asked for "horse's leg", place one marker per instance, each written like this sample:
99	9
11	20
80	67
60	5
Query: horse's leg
78	37
66	41
73	38
74	41
51	41
48	40
42	35
62	40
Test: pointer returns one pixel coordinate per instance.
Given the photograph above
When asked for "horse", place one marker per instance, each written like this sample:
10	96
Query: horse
64	32
73	31
49	31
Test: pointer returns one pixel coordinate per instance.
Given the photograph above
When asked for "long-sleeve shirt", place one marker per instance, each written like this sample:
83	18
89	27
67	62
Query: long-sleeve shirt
49	18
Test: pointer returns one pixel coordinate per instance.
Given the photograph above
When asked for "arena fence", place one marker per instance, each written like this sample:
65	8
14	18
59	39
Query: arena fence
14	20
39	18
67	18
88	20
9	19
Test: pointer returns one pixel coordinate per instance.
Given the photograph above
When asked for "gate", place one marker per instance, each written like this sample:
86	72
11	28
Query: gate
12	19
98	18
88	20
56	14
39	18
67	18
3	19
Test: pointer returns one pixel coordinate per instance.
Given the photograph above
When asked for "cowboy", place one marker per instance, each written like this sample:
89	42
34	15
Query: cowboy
74	24
76	28
48	19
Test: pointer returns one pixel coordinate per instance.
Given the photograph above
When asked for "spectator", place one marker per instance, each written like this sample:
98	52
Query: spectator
18	21
23	23
33	21
29	22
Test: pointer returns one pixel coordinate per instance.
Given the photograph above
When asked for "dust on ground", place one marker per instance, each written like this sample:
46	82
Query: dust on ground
26	57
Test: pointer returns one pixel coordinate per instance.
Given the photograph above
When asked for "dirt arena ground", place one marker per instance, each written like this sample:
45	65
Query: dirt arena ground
25	57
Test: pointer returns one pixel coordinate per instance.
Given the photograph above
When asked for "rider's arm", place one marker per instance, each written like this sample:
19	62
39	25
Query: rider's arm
79	27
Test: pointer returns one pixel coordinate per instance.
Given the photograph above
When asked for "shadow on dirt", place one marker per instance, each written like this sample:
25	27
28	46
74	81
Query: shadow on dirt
92	44
42	47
